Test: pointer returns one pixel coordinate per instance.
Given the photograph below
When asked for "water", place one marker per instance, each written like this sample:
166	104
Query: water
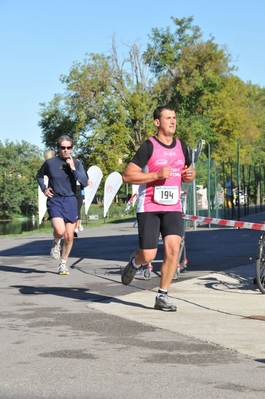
20	225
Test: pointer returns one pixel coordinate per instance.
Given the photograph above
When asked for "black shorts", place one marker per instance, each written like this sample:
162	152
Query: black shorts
151	224
80	198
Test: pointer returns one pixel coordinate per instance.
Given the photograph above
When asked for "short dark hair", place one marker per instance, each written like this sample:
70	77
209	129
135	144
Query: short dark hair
62	138
158	111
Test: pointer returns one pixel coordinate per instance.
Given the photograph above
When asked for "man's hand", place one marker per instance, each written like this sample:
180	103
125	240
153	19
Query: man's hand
164	173
48	192
69	161
188	174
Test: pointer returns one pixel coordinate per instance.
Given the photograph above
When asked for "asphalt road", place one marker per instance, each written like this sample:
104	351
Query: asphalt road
87	336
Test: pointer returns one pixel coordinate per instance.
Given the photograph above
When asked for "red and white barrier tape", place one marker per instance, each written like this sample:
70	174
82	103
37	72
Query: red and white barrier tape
224	222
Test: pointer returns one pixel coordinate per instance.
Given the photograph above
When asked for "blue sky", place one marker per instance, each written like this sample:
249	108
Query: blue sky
40	40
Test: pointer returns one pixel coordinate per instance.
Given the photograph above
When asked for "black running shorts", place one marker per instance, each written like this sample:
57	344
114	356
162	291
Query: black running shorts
151	224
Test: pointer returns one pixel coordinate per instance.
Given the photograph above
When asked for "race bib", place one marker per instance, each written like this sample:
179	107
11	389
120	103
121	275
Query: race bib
166	195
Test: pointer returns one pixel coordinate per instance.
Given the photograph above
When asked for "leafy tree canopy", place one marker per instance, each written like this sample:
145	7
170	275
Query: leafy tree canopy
19	163
108	100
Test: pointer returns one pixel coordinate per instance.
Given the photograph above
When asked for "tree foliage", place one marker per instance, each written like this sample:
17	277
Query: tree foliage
190	73
108	100
19	163
107	103
106	107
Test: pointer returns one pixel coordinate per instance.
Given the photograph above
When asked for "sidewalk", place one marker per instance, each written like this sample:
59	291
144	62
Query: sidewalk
221	308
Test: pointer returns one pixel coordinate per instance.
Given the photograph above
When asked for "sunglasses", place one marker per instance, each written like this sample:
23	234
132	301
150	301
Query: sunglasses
65	148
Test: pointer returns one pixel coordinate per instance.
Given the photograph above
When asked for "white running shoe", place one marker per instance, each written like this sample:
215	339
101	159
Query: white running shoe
63	269
162	303
56	250
81	228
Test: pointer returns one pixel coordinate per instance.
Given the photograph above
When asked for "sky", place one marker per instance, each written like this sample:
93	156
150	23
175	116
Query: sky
41	39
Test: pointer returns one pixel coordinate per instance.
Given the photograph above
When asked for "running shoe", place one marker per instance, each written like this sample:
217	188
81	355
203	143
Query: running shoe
128	272
139	271
162	303
56	250
81	228
63	269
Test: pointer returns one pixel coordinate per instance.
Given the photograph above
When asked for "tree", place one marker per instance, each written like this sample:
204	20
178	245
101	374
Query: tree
190	72
106	107
55	122
108	101
231	120
18	186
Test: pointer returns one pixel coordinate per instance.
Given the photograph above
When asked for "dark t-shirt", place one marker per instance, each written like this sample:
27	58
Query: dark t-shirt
146	149
62	180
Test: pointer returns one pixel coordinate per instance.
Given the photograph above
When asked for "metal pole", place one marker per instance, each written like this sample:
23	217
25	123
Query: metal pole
209	183
232	183
238	177
215	191
194	190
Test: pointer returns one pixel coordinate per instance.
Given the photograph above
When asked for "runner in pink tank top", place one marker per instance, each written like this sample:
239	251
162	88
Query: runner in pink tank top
156	196
159	167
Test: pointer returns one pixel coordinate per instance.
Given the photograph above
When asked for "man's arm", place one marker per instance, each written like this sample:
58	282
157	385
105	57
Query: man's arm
40	178
133	174
80	173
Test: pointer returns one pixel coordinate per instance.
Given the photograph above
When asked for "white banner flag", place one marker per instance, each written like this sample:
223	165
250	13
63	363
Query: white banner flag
42	200
133	198
95	176
135	192
112	185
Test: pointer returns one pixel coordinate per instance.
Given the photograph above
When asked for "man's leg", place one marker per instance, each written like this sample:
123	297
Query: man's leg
138	258
170	262
144	256
58	233
68	240
168	269
67	246
58	228
172	230
148	232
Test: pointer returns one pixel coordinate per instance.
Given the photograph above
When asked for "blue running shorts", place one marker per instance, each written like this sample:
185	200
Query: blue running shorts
64	208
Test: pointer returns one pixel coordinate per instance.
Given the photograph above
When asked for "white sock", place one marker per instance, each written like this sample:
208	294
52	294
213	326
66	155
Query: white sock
134	264
162	292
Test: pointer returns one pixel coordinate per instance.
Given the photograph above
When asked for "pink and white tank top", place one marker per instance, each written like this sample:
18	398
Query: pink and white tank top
162	195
